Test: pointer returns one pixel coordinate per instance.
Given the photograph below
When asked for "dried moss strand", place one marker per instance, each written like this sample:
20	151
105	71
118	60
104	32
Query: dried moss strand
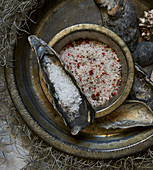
13	16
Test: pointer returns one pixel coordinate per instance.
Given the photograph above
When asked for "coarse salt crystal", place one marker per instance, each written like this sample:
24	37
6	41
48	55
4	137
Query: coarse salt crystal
97	69
66	92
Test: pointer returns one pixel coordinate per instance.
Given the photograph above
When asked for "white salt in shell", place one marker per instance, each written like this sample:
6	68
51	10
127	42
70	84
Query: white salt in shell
67	93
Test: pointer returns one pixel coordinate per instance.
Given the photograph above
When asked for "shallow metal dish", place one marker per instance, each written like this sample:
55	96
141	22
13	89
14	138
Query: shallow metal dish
106	36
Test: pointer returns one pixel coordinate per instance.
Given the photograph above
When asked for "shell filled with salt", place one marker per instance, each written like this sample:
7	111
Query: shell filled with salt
66	96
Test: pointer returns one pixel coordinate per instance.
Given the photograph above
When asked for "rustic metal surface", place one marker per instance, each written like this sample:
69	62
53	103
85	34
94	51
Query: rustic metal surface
33	105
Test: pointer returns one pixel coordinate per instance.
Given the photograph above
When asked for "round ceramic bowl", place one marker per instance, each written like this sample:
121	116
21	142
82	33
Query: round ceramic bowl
105	36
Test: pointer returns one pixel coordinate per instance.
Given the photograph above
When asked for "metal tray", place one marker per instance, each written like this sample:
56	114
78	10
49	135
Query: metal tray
25	87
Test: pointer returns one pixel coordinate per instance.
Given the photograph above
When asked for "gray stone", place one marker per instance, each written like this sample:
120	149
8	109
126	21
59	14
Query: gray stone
143	55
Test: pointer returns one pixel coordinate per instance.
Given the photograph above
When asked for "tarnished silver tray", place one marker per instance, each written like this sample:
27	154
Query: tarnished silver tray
25	87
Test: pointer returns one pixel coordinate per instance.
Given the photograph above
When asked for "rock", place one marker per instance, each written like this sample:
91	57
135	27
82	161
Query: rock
143	55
